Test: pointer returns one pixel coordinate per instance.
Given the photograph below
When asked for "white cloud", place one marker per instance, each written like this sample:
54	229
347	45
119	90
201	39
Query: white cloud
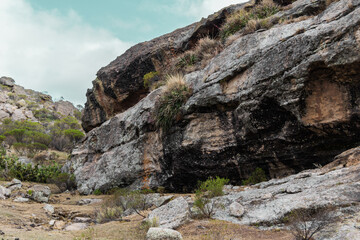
204	8
47	51
196	8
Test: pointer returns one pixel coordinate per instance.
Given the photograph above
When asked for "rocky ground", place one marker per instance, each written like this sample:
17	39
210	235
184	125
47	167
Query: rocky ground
30	211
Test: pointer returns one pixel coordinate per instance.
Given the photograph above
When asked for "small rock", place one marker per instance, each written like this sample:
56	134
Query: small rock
82	220
21	199
4	192
59	225
293	189
267	196
89	201
40	193
236	209
163	234
32	225
49	208
2	233
76	227
52	222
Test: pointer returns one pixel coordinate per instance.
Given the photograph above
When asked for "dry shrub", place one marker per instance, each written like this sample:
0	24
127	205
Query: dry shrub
205	49
305	223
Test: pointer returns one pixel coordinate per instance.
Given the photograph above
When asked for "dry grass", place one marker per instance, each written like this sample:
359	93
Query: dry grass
221	230
174	81
251	19
194	59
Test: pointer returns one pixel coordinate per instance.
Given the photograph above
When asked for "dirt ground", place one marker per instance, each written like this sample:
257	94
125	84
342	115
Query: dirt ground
30	221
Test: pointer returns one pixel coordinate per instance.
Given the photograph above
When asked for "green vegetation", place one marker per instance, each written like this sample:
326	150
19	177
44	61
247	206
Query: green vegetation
45	115
10	168
31	137
255	18
256	177
174	96
189	58
148	78
207	190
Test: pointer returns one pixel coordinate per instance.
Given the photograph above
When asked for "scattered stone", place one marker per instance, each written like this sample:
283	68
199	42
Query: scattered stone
172	215
88	201
4	192
76	227
21	199
82	220
14	184
40	193
52	222
2	233
163	234
49	208
59	225
236	209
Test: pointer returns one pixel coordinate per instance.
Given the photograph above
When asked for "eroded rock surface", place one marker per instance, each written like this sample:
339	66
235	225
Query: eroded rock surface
281	99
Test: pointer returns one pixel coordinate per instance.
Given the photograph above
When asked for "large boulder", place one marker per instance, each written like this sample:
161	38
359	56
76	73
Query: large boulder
281	99
65	108
7	81
172	215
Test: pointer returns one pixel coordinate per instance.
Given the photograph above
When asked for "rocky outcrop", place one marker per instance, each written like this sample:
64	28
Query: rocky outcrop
267	203
19	103
120	85
281	99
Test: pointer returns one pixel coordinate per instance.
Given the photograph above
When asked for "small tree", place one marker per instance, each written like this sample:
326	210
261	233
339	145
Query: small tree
305	223
207	190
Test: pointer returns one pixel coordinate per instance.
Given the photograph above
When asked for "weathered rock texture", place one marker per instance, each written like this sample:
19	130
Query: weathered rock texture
334	185
281	99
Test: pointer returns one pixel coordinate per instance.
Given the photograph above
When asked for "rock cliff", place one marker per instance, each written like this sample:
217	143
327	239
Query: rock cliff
283	99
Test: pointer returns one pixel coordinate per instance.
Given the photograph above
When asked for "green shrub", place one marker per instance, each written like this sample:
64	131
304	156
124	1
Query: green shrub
45	115
174	96
64	181
18	134
256	177
97	192
213	187
148	77
189	58
74	135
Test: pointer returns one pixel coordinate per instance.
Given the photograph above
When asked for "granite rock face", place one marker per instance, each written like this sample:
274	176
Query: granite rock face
282	99
120	85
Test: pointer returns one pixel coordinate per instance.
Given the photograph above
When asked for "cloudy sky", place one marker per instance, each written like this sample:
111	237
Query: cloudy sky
57	46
